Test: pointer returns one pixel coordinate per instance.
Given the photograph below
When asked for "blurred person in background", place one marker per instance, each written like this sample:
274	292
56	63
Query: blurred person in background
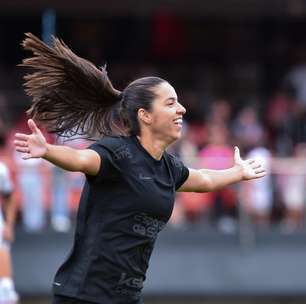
61	185
31	178
185	148
218	155
8	294
60	213
188	207
297	75
257	196
67	188
279	116
220	112
196	207
130	179
292	185
247	129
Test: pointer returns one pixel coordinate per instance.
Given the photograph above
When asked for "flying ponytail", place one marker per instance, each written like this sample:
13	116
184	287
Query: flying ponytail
70	96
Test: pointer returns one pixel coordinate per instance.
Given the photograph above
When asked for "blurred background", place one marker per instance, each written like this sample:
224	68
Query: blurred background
239	67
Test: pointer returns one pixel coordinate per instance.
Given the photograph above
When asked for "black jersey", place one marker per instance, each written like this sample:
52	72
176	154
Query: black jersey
121	211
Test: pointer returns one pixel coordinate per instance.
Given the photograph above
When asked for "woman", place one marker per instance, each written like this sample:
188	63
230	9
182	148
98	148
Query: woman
130	179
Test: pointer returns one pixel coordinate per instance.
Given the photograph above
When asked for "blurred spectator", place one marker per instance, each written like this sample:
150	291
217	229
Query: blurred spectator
201	76
247	129
299	127
8	294
292	175
31	179
220	112
279	114
76	179
218	155
31	184
76	184
297	75
60	213
256	196
187	150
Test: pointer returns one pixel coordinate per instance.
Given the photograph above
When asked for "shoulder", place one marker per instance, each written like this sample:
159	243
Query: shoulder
112	141
118	147
173	160
179	171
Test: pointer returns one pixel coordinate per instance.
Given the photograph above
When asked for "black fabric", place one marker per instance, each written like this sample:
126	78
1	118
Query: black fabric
68	300
121	211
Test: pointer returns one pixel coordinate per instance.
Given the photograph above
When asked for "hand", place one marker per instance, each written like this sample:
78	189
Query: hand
8	233
249	168
33	145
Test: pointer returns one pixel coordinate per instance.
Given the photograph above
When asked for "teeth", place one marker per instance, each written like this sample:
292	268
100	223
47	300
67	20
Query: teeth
179	120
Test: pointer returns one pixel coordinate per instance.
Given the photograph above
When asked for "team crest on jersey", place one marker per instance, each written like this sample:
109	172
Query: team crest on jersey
122	153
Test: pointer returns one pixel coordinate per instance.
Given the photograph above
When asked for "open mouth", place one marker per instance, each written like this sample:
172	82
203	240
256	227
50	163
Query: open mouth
178	121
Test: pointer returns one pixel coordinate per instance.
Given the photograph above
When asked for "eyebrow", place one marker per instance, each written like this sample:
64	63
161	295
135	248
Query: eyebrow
171	98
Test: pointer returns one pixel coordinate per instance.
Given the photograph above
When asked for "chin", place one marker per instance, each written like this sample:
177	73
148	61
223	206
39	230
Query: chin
171	137
176	136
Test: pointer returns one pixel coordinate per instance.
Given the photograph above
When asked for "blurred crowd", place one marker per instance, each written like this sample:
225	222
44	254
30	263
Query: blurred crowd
45	194
274	133
243	83
276	137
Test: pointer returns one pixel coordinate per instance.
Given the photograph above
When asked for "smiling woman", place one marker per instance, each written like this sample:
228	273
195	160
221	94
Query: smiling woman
131	180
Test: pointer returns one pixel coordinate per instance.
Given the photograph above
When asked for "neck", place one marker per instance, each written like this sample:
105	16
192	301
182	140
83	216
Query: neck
154	146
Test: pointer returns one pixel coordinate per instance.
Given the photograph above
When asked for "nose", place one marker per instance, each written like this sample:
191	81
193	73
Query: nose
181	109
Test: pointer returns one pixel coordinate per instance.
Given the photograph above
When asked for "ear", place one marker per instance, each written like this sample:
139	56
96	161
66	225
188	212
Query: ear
144	116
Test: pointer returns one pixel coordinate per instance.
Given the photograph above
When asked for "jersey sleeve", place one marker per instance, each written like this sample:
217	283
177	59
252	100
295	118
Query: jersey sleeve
6	185
109	170
180	172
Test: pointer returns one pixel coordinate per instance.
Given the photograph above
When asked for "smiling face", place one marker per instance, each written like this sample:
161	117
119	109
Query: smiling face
165	119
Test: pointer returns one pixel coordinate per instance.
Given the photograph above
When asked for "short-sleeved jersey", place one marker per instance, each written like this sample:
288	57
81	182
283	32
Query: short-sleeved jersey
122	209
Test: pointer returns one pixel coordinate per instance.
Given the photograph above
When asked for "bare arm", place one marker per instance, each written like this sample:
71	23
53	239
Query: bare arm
34	146
86	160
205	180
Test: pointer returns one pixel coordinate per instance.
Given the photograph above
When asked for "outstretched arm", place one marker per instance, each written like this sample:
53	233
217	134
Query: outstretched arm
35	146
205	180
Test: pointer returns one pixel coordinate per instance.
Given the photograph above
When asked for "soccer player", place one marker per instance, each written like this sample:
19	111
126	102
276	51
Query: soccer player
130	178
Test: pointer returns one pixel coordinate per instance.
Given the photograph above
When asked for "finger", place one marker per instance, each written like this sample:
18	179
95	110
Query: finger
32	126
20	143
26	156
250	161
260	175
236	154
260	170
256	166
21	136
23	149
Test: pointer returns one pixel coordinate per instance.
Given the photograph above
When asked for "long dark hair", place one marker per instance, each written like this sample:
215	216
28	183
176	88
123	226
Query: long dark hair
71	96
